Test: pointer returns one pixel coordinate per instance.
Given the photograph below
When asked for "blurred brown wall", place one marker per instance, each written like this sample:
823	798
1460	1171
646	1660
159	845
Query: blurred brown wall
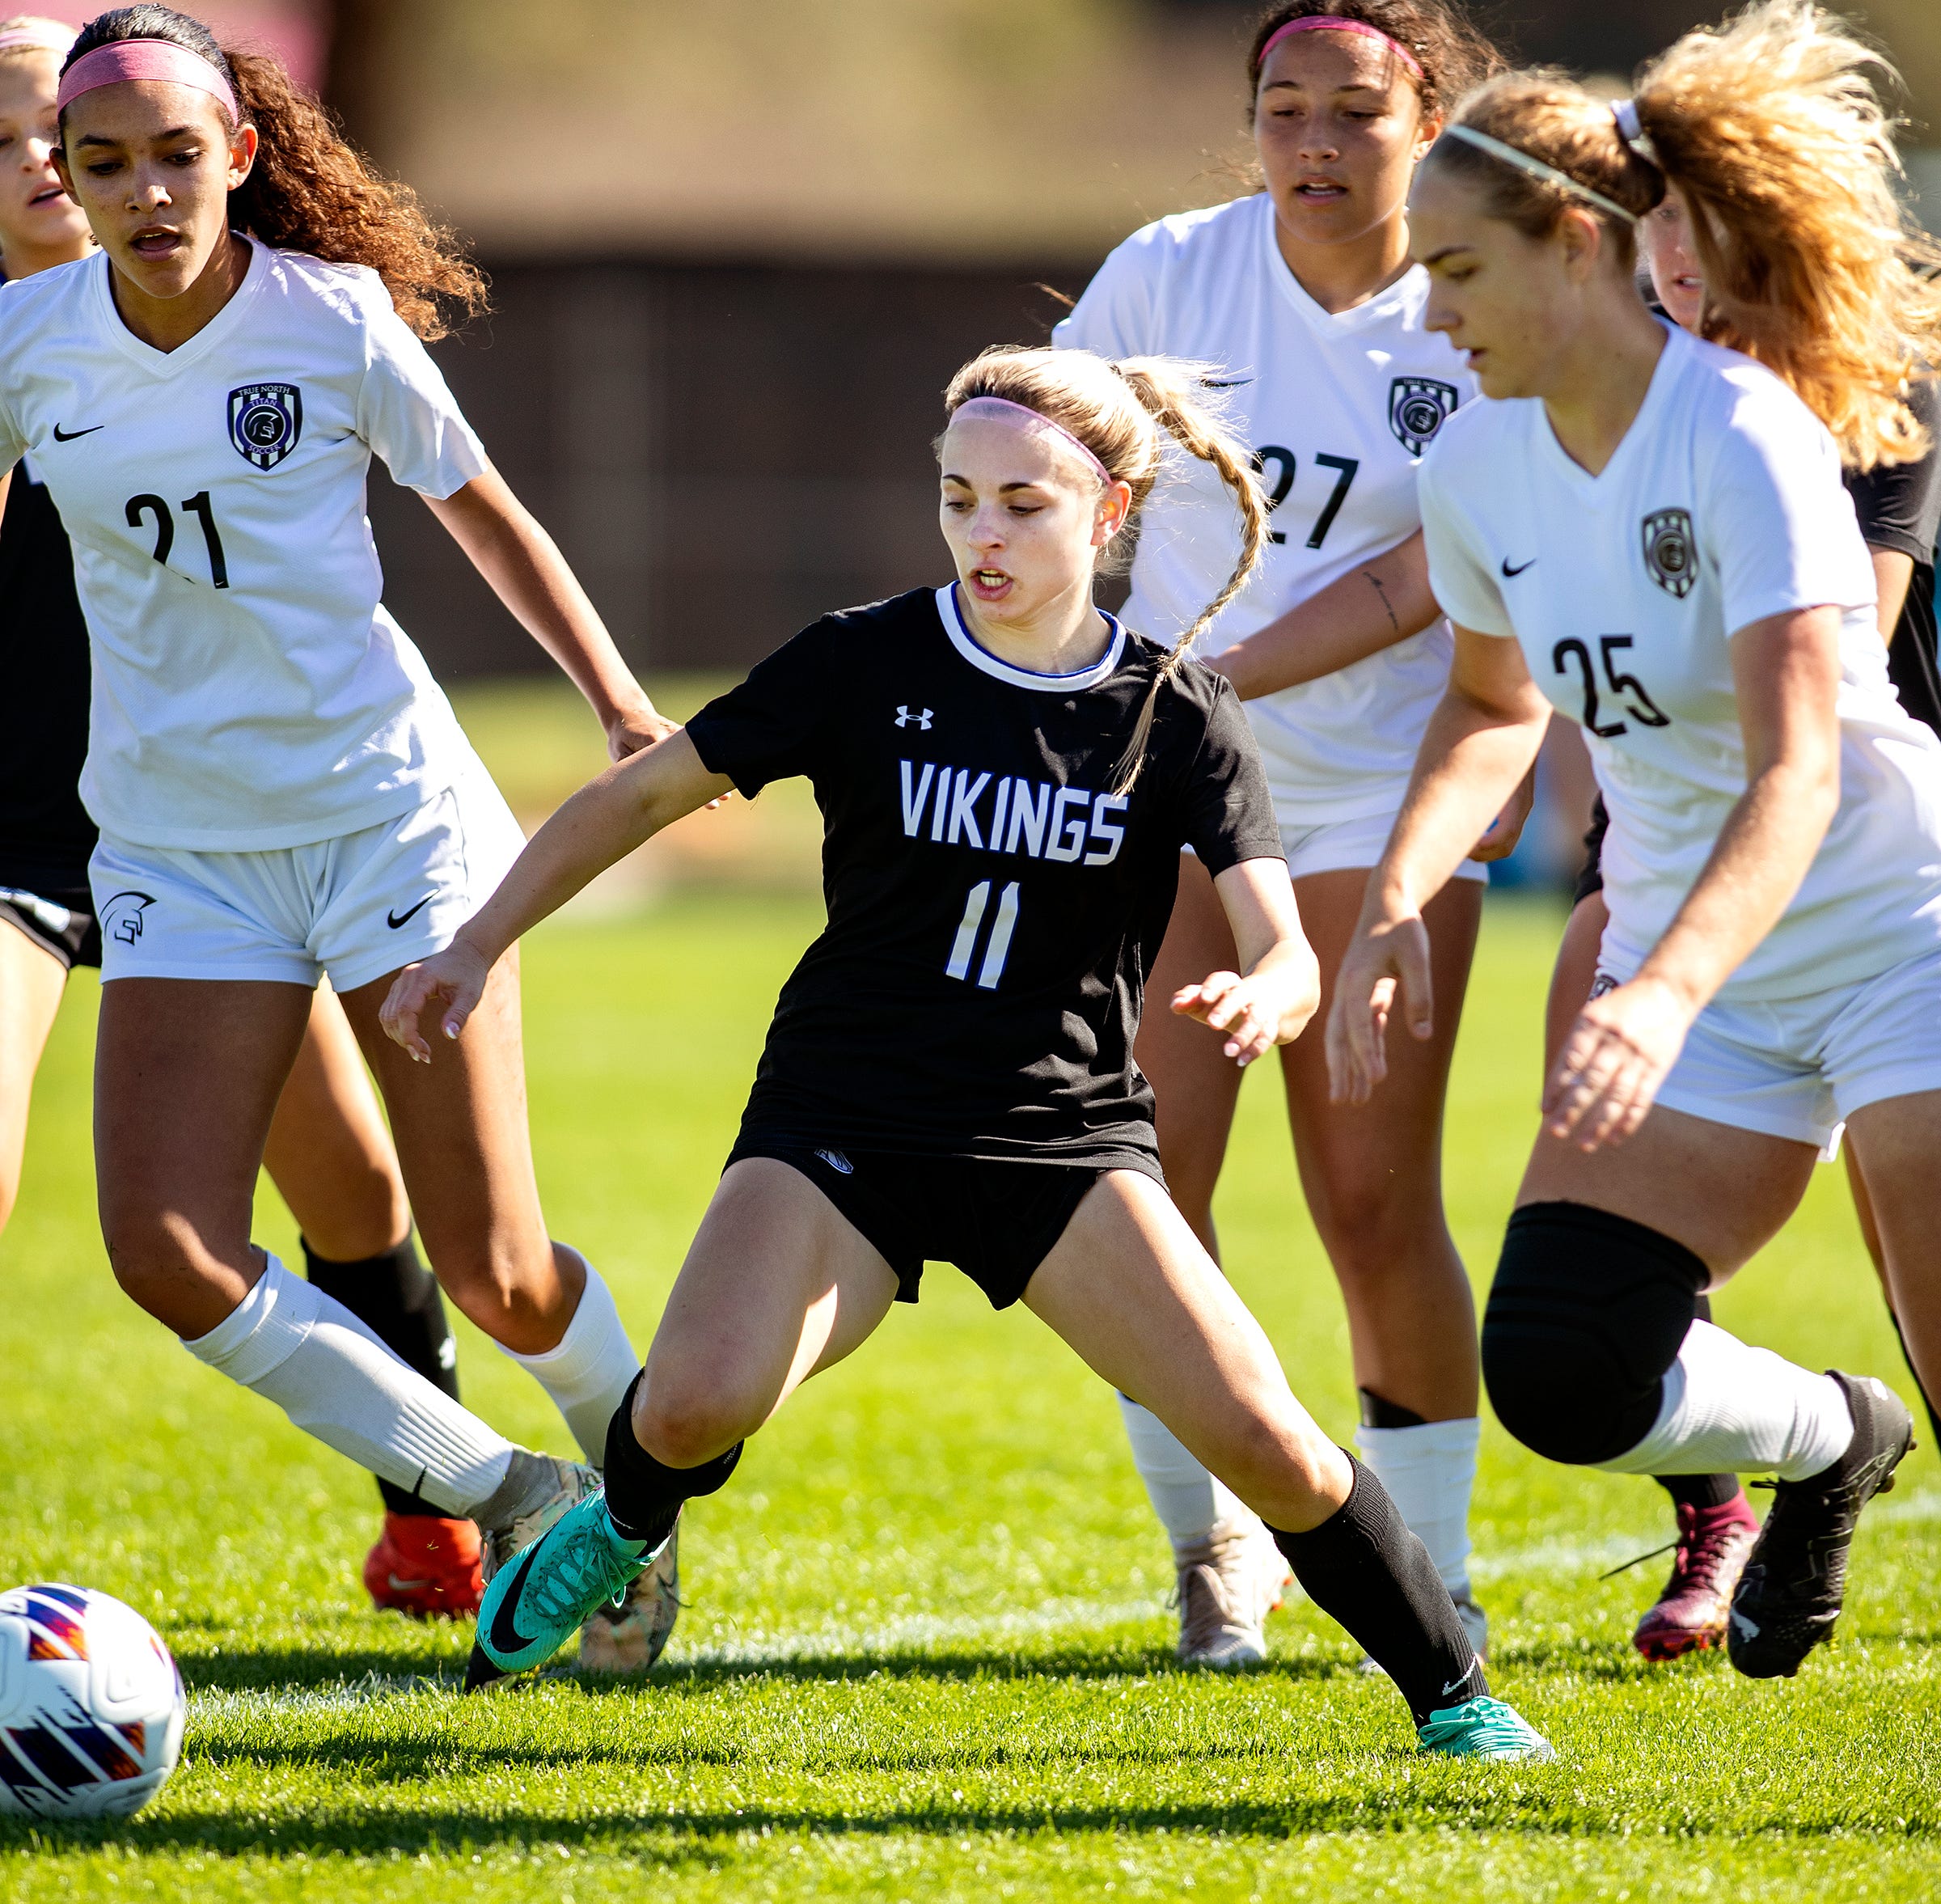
739	248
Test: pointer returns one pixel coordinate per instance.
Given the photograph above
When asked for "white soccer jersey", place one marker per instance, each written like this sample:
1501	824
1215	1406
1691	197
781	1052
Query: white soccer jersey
249	689
1722	505
1337	409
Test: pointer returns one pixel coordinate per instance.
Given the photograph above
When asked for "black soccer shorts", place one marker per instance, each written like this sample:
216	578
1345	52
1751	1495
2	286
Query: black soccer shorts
996	1221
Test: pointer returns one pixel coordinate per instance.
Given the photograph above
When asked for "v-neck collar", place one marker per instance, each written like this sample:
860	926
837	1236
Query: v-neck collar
170	363
1393	297
1664	373
950	613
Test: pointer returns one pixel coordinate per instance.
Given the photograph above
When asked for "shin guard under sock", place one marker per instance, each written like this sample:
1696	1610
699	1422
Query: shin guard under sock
1364	1566
396	1298
1701	1490
644	1496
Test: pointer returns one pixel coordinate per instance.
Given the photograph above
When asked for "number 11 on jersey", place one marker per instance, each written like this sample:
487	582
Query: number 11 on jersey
997	948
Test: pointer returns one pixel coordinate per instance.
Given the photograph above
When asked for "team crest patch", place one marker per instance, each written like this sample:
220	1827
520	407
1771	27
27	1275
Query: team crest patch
264	421
1668	552
1418	408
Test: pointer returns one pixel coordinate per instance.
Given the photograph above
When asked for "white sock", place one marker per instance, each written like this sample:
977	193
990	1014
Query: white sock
1731	1408
289	1343
1429	1471
1189	1501
587	1370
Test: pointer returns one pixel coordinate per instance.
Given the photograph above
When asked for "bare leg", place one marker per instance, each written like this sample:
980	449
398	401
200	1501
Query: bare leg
777	1286
1575	973
465	1154
1894	1145
31	980
328	1150
1129	1288
1196	1089
1373	1174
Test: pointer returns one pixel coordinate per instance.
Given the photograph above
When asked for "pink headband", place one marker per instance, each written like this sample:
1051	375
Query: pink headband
1333	23
1005	404
51	38
143	59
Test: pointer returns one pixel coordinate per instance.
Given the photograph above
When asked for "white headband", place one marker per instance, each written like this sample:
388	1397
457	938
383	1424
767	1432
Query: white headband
1536	168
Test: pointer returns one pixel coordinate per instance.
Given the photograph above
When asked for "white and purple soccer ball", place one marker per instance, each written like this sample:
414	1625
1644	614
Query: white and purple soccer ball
91	1705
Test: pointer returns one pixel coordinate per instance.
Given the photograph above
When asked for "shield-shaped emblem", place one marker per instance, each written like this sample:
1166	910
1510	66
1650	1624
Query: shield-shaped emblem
264	421
1418	408
1669	551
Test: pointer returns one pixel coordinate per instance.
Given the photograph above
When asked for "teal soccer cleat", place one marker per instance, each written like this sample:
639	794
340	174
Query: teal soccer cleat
539	1597
1481	1728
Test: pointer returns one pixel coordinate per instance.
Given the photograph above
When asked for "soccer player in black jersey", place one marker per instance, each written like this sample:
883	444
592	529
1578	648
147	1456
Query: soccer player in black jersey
1899	508
1007	776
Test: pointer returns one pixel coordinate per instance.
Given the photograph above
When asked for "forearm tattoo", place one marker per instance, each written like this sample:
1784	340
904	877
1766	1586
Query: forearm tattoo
1374	582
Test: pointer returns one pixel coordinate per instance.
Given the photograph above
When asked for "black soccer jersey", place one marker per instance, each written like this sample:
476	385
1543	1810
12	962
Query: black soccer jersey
46	834
993	907
1899	508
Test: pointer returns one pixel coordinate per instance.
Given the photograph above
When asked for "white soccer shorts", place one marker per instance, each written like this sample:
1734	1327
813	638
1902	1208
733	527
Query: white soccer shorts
1799	1068
356	907
1339	846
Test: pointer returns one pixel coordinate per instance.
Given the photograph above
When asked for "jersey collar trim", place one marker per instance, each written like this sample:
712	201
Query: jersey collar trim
1393	300
170	363
986	662
1644	425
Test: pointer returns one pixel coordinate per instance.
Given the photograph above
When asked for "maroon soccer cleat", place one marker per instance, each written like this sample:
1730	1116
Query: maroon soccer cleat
1690	1614
426	1567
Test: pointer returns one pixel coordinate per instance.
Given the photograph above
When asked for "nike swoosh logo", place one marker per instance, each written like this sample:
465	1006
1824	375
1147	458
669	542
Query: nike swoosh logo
407	1586
1520	567
1456	1684
394	919
68	436
507	1638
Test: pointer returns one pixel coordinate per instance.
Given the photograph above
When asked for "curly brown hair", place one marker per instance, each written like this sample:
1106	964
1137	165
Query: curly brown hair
1452	52
309	190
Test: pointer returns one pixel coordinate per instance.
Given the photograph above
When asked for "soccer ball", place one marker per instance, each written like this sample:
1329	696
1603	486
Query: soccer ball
91	1705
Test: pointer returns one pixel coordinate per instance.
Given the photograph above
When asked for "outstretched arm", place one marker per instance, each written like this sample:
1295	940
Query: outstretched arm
1374	605
1269	1001
602	822
1481	742
506	545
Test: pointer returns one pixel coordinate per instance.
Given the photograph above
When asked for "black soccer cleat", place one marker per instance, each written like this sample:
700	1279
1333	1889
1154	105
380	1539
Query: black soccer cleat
1789	1597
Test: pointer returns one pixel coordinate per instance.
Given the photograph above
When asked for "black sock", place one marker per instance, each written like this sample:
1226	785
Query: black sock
396	1298
644	1498
1934	1420
1700	1490
1363	1566
1378	1412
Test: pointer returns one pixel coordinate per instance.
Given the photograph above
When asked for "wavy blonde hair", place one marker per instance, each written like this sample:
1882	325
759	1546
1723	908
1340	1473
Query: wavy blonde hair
1772	127
1123	412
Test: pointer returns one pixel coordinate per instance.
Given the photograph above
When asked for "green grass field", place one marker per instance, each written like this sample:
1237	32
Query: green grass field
927	1653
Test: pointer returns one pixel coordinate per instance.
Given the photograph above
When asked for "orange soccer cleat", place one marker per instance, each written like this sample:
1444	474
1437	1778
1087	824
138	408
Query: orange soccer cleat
425	1566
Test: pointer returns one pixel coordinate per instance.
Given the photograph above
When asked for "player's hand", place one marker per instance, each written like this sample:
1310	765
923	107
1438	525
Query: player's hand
1500	837
444	990
634	728
1391	957
1617	1054
1251	1012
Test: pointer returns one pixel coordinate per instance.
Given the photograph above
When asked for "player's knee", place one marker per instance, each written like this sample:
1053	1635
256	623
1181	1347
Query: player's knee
1586	1314
683	1421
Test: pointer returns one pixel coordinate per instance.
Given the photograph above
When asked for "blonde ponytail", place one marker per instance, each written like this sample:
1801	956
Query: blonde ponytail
1118	412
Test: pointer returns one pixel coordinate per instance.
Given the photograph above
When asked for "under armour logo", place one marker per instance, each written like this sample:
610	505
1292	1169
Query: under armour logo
905	718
